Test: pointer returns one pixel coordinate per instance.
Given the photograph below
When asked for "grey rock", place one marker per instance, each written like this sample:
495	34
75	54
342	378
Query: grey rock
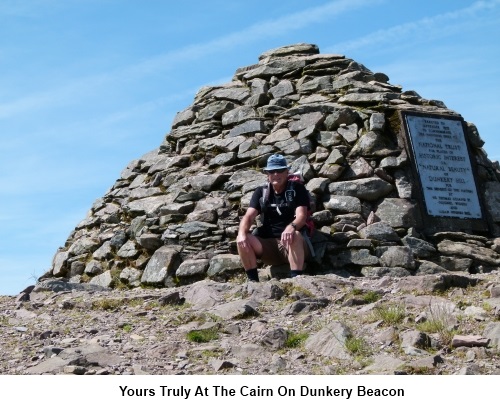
379	231
492	199
455	263
398	213
93	267
311	84
104	252
185	117
403	184
318	185
473	135
281	135
469	341
214	110
162	265
461	249
492	332
377	122
359	169
118	239
305	305
373	144
288	50
342	115
343	204
59	285
192	268
237	94
218	365
385	271
237	115
419	247
128	250
131	276
360	243
59	262
310	120
349	132
205	294
479	314
415	338
360	257
275	338
330	341
235	309
104	280
369	189
438	282
248	350
398	256
207	182
224	266
83	246
148	206
329	138
367	98
427	267
150	241
384	364
276	67
283	88
471	369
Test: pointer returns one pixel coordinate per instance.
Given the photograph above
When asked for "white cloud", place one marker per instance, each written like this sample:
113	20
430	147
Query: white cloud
424	29
264	29
82	86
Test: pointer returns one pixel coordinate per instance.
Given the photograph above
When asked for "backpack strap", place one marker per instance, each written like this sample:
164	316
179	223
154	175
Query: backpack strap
264	201
290	192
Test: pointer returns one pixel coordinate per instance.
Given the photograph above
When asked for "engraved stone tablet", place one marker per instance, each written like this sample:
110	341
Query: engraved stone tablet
444	167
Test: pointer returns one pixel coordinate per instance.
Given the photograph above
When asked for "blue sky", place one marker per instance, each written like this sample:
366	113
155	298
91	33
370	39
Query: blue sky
86	86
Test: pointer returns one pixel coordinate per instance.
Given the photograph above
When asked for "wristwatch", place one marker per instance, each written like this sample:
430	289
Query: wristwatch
294	226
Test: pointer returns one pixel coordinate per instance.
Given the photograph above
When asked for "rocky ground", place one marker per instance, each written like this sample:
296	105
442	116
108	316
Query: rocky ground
432	324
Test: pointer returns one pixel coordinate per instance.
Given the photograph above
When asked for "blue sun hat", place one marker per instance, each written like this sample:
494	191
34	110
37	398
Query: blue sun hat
276	162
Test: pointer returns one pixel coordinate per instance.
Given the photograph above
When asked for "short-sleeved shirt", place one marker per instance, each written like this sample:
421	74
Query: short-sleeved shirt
280	209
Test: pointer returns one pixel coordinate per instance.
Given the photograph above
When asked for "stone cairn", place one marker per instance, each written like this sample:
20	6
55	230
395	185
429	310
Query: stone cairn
172	216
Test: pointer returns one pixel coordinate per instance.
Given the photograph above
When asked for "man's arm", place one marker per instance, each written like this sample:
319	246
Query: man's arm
300	220
300	217
246	222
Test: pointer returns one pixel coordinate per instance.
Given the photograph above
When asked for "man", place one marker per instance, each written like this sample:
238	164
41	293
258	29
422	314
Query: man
278	240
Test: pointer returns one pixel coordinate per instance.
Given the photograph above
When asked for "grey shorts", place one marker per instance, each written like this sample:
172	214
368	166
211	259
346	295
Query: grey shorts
274	252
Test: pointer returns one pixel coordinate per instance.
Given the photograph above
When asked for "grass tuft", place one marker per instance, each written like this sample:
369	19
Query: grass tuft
390	314
295	340
439	322
371	296
202	336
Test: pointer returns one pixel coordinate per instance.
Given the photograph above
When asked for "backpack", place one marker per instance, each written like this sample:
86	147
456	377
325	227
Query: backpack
293	178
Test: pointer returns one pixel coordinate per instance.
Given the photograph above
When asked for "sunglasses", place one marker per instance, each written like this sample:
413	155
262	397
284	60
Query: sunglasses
275	171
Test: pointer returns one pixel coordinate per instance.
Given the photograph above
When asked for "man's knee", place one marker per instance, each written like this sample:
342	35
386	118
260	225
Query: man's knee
253	246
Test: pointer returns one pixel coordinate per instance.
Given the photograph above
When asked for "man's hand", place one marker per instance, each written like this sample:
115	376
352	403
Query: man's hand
242	241
288	235
246	222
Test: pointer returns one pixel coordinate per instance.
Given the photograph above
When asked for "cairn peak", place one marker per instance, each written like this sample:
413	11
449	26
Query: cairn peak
290	50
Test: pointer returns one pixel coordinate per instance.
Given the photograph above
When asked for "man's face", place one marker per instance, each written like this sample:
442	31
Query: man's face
278	178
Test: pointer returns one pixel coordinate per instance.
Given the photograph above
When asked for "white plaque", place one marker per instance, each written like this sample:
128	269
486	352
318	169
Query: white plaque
443	164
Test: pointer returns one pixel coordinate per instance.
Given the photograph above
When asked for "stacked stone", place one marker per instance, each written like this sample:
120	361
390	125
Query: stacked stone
172	217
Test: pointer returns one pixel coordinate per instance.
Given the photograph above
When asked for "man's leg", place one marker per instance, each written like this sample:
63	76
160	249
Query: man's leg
296	255
248	255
